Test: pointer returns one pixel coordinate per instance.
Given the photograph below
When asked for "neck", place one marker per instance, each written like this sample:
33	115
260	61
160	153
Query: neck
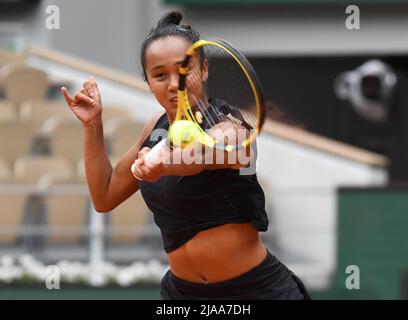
171	116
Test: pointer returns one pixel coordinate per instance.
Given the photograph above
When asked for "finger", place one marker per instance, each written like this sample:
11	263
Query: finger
137	173
84	85
139	162
142	152
92	87
67	96
133	170
84	91
79	96
142	168
140	171
140	165
145	149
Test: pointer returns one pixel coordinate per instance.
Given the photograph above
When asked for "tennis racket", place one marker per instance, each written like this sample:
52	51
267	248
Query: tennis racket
218	90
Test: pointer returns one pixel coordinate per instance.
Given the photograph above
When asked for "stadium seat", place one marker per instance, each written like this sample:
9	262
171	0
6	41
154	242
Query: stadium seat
7	112
7	57
15	140
67	207
32	169
22	82
11	207
5	172
111	112
126	221
65	138
11	217
34	113
121	134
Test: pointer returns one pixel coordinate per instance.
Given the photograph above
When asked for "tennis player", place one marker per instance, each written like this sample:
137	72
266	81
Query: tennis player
209	215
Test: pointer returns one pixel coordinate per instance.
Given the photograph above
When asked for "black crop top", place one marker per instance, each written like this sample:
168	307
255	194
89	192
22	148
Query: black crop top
182	206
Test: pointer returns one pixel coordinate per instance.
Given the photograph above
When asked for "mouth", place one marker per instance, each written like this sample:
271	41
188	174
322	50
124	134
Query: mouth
174	100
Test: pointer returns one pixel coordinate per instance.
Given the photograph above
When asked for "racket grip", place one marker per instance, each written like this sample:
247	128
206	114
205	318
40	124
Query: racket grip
152	156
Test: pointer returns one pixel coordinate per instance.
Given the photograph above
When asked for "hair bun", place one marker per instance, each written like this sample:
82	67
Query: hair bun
173	17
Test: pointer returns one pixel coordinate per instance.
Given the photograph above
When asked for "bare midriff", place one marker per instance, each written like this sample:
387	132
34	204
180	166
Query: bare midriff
218	254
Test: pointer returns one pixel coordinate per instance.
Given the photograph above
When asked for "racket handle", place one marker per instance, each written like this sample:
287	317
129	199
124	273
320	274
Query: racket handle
152	156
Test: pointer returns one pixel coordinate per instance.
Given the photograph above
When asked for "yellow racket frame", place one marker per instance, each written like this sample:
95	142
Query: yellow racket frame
184	110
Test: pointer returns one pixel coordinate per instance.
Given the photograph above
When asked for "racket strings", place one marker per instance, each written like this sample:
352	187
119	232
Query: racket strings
203	110
207	114
234	87
230	82
223	95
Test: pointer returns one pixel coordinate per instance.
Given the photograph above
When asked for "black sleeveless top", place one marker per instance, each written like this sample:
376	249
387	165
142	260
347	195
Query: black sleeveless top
182	206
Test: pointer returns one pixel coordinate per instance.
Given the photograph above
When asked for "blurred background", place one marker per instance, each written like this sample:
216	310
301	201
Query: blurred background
332	158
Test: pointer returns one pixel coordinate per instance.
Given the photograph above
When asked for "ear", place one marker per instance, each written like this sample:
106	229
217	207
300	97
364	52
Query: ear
204	71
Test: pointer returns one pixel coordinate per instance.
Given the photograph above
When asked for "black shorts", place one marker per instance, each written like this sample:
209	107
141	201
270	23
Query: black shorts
270	280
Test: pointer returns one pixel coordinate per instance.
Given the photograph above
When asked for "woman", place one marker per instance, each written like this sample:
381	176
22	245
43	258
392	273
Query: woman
209	215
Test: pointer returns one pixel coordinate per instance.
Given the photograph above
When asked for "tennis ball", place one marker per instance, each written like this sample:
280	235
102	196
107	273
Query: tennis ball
183	132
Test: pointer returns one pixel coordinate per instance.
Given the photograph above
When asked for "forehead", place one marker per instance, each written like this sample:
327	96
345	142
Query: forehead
168	50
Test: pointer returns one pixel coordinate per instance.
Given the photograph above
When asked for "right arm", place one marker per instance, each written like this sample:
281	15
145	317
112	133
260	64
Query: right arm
108	186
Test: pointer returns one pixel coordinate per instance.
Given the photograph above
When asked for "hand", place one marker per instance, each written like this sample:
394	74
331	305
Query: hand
143	172
168	165
86	104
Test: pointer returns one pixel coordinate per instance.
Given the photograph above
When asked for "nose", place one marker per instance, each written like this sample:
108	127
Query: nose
173	84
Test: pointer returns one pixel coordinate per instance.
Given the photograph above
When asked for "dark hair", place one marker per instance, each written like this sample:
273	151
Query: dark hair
168	26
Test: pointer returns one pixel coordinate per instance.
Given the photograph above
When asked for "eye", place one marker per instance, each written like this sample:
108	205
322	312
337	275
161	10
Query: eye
159	75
